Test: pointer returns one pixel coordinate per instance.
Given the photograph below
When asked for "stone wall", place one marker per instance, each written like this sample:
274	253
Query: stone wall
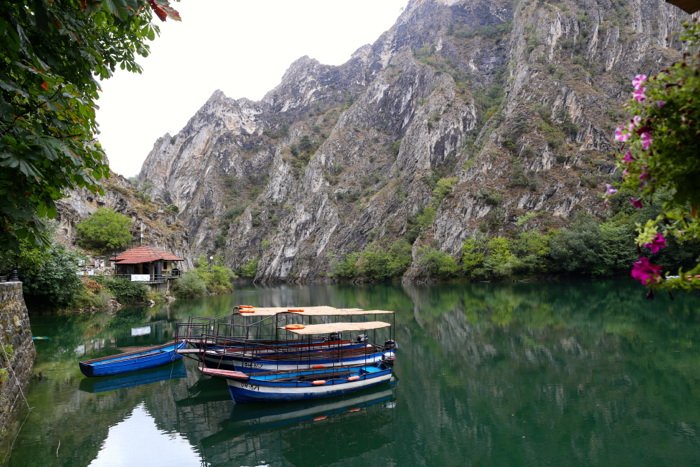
15	344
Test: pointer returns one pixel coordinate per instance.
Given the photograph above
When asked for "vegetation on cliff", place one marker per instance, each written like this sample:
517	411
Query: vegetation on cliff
104	231
208	277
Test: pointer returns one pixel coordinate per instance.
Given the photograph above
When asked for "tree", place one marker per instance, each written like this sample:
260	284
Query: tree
659	152
104	231
50	276
53	52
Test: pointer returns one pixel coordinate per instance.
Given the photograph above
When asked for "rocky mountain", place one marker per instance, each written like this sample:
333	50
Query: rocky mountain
466	116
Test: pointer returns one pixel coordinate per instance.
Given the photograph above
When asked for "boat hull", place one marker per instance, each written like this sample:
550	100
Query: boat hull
132	361
259	390
255	365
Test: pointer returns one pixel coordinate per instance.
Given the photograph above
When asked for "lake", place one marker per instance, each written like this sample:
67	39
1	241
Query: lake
559	373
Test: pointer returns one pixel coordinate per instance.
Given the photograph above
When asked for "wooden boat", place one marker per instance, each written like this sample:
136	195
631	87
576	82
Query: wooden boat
148	357
333	378
302	385
297	358
136	378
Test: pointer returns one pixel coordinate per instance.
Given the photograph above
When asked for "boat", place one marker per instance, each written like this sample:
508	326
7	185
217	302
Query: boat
141	359
175	370
259	345
279	386
296	359
331	379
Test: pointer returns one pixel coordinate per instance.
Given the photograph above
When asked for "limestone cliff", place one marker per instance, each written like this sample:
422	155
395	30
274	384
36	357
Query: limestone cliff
508	104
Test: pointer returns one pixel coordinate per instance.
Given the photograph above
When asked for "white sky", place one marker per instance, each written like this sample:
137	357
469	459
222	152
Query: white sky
242	47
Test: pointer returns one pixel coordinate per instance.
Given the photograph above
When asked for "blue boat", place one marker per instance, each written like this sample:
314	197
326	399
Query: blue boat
135	378
302	385
132	361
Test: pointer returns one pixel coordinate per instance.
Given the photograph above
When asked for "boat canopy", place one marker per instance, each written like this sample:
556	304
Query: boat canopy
337	327
310	311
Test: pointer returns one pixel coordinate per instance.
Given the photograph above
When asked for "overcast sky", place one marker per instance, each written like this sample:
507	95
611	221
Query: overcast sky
242	47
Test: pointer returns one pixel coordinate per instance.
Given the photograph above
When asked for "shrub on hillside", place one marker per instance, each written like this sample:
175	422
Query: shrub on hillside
125	291
104	231
190	285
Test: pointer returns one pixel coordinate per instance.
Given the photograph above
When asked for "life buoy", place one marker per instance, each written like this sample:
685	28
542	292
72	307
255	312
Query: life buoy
294	326
245	306
318	382
295	310
353	378
246	310
317	367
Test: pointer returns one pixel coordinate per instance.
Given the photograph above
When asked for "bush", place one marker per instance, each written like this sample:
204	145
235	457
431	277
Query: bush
473	254
435	263
249	269
104	231
218	279
127	292
190	285
376	262
500	261
50	277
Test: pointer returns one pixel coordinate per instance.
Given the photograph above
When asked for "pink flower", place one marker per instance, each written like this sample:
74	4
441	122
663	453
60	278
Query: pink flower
644	175
609	190
646	140
636	202
646	272
625	173
639	95
621	135
657	244
628	157
636	120
660	104
638	81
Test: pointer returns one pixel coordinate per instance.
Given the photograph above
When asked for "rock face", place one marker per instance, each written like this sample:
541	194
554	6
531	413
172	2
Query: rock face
510	105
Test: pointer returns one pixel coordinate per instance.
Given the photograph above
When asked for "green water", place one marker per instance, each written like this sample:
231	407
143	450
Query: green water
586	373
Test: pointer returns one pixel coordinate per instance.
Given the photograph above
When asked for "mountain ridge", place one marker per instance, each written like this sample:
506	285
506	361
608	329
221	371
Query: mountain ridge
510	104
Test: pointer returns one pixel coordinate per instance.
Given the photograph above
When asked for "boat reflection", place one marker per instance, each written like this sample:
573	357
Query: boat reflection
137	378
309	423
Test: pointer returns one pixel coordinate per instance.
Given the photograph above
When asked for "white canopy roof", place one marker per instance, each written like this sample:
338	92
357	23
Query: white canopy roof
338	327
312	311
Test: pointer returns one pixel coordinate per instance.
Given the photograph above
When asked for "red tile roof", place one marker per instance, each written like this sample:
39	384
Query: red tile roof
144	254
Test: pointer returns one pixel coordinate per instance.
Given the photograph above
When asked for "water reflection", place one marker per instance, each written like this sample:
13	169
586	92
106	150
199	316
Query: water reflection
496	374
134	440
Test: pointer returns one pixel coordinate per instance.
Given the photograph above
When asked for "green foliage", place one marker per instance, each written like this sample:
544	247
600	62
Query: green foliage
532	250
499	260
52	55
661	147
434	263
125	291
376	262
190	285
249	269
50	276
104	231
346	268
587	247
473	255
217	278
